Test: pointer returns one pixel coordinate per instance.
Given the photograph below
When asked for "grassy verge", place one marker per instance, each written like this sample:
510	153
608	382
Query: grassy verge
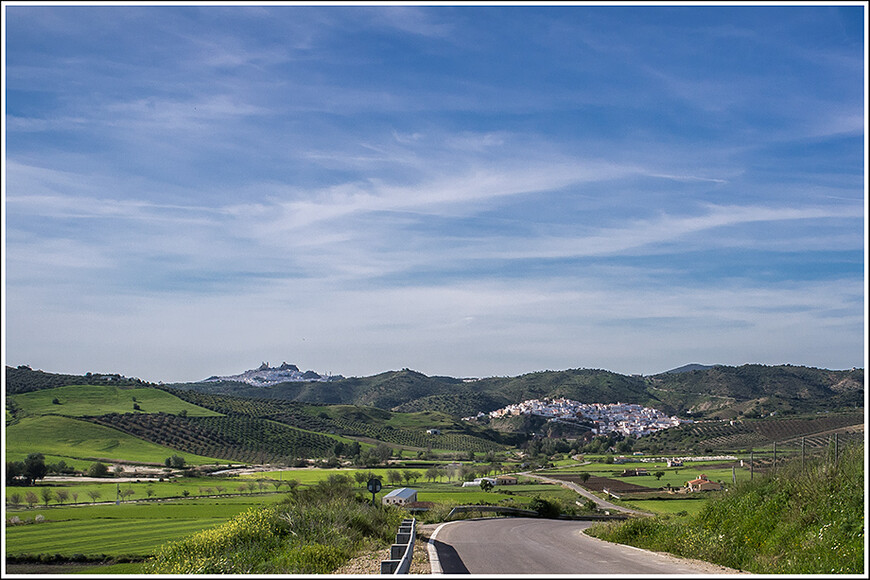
798	520
316	530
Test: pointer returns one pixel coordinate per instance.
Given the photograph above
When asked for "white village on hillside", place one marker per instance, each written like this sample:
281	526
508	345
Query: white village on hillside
624	418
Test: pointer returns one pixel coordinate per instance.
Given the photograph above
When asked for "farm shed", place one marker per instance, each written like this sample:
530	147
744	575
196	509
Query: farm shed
401	496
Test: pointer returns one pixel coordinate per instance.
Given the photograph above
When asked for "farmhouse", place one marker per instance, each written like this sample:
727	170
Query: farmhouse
633	472
703	484
401	496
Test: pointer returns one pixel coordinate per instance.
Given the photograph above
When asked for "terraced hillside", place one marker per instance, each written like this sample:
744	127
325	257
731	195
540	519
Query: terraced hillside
404	429
815	431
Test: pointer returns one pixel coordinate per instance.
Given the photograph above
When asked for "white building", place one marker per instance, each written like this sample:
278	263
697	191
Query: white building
401	496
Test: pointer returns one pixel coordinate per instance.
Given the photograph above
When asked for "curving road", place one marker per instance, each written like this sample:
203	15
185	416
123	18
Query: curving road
535	546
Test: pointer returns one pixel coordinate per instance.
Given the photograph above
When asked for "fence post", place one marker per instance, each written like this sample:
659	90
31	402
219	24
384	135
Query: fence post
803	444
751	461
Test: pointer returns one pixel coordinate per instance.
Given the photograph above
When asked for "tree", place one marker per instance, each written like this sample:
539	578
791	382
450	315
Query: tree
545	508
34	467
149	491
125	493
361	477
408	475
486	485
658	475
383	452
393	476
175	462
432	473
94	494
584	477
14	499
13	470
47	495
30	498
98	469
62	495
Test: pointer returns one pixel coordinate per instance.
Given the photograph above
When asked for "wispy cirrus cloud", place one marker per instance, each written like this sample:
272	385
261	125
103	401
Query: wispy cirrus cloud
467	191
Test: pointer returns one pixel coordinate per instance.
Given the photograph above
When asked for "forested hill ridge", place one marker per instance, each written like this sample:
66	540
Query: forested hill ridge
719	391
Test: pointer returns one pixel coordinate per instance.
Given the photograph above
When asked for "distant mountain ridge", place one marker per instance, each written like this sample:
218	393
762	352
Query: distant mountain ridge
720	391
266	376
696	391
689	368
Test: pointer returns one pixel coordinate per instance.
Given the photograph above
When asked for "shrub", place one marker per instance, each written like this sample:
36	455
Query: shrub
314	530
98	470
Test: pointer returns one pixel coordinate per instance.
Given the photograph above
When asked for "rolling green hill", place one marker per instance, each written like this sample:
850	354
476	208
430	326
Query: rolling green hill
84	400
70	438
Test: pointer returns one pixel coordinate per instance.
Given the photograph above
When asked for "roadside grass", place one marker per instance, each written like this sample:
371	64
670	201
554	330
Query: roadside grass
74	438
81	400
798	520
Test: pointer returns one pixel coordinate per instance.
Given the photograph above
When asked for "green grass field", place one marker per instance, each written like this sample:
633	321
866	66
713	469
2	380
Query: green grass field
77	439
115	530
81	400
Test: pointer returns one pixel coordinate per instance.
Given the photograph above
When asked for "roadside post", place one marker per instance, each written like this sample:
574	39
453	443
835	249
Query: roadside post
374	486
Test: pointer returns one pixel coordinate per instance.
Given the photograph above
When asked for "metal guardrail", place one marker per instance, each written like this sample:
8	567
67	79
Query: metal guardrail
402	551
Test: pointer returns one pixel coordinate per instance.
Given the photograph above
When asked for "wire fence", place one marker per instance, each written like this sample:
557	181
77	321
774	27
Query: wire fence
824	447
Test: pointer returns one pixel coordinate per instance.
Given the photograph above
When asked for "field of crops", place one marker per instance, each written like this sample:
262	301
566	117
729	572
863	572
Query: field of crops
757	433
236	438
404	430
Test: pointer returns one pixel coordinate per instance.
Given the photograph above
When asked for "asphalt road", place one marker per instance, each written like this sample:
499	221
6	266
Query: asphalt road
515	546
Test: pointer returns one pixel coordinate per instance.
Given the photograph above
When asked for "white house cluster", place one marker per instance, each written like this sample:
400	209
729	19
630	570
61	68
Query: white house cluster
624	418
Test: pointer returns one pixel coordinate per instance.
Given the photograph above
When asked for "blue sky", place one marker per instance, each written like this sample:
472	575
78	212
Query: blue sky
465	191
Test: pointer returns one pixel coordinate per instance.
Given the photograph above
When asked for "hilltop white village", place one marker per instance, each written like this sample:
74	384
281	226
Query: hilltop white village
624	418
